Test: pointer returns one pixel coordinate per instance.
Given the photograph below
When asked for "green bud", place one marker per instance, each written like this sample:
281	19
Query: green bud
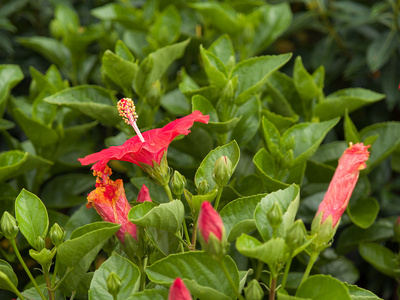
253	290
114	284
44	256
203	187
222	171
229	90
274	215
296	235
215	248
9	226
40	244
324	232
178	183
57	235
154	95
160	173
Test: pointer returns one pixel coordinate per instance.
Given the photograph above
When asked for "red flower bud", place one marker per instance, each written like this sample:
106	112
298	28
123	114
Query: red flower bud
210	222
144	194
179	291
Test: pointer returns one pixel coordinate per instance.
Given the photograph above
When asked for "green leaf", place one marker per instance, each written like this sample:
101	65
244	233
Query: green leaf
66	190
7	271
206	168
387	139
154	294
381	258
14	163
275	19
80	251
128	273
363	211
253	73
175	103
39	134
129	16
238	216
273	252
265	165
93	101
221	15
215	69
167	26
357	293
323	287
350	131
200	273
223	49
122	72
336	104
304	83
288	200
51	49
123	52
381	49
153	67
32	217
6	124
157	192
341	268
82	216
11	75
166	242
307	138
166	216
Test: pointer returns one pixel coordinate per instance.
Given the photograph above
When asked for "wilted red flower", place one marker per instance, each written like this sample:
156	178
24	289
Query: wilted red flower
144	195
179	291
148	147
110	202
343	182
210	222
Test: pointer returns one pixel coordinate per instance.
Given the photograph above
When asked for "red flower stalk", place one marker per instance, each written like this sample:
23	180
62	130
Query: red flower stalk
147	147
110	202
343	182
179	291
210	222
144	194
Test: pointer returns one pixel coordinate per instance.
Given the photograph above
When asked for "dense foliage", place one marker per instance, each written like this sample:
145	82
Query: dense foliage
287	85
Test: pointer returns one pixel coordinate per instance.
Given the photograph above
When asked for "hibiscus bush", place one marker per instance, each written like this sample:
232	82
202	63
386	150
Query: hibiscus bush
199	149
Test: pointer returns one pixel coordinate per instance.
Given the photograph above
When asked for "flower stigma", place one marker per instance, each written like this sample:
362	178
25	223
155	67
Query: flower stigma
127	111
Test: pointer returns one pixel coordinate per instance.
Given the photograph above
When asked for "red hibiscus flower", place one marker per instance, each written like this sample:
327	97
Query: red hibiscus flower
343	182
110	202
179	291
146	147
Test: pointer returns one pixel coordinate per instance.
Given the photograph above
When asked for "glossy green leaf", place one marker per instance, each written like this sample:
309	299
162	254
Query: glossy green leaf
215	69
357	293
124	14
154	294
82	216
280	122
11	75
66	190
200	273
205	171
238	216
387	139
253	73
166	216
122	72
128	273
32	217
7	271
153	67
288	200
307	138
80	251
51	49
93	101
323	287
350	131
166	242
380	257
15	162
341	268
6	124
202	104
39	134
381	49
336	104
273	252
223	49
304	82
42	111
175	103
167	27
363	211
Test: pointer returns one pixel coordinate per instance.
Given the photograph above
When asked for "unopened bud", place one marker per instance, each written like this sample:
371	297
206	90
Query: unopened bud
222	171
114	284
229	90
57	235
274	215
203	187
253	290
40	244
296	235
178	183
43	256
9	226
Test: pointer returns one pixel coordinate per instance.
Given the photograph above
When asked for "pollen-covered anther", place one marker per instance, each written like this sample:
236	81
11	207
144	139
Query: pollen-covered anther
127	111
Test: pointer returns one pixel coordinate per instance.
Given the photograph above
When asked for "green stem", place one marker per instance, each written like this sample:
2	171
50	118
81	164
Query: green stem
12	286
228	276
272	289
168	192
313	258
259	269
194	236
48	284
181	240
26	269
69	270
142	264
286	272
54	277
216	203
185	230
